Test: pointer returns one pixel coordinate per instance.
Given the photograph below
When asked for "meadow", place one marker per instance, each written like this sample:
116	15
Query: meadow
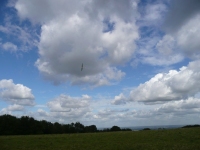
170	139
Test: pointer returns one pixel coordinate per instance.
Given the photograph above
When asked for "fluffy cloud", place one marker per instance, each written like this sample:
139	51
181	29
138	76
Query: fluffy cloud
12	108
154	47
180	13
46	10
187	37
67	103
110	114
66	107
169	32
94	33
182	107
15	93
95	9
175	85
183	20
120	99
172	112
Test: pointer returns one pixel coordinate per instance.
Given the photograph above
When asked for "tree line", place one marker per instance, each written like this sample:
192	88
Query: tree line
191	126
11	125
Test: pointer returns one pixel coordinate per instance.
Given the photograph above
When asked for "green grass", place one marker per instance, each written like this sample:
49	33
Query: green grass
174	139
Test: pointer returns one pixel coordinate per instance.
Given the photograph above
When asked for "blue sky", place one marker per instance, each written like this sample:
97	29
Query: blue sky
140	61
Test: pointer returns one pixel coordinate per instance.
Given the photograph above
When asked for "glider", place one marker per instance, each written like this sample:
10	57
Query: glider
82	67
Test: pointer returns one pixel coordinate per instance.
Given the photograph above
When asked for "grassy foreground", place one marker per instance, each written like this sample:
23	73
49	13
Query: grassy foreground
174	139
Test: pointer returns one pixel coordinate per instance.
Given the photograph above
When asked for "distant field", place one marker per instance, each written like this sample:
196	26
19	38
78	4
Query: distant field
172	139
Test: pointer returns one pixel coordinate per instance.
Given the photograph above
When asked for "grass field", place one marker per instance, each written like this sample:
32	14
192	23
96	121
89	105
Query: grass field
174	139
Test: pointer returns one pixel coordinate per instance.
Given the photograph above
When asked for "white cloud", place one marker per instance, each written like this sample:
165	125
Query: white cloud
187	37
154	46
166	45
4	29
182	22
15	93
120	99
101	34
152	14
12	108
46	10
25	38
109	114
159	60
174	85
180	12
124	9
8	46
72	109
179	38
182	107
66	107
68	104
76	34
159	51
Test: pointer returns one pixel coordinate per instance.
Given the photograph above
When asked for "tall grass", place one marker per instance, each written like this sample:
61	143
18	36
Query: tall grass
174	139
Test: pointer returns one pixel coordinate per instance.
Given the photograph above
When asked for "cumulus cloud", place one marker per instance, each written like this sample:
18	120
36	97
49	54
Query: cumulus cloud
123	9
67	103
15	93
182	22
169	33
180	12
108	114
154	46
174	85
67	107
120	99
168	111
101	34
76	34
123	115
46	10
12	108
182	107
187	37
172	112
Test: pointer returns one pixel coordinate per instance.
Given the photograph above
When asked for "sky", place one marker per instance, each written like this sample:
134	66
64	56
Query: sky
141	61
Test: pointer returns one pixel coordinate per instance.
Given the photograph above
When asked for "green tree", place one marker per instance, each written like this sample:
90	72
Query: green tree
115	128
79	127
9	125
91	128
